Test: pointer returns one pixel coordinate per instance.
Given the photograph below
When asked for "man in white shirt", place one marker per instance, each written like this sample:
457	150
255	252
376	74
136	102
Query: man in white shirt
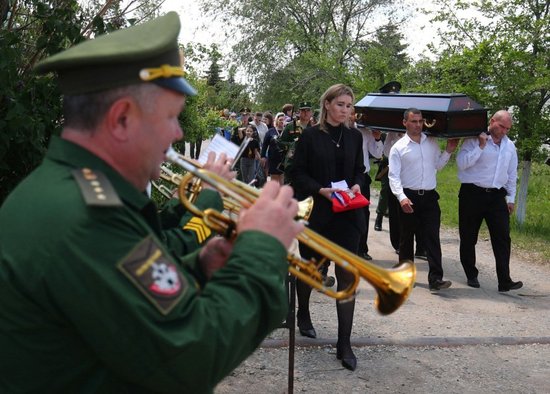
388	199
261	127
372	146
487	170
414	161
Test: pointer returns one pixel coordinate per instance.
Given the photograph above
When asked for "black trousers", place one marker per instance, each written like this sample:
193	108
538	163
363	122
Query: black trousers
393	220
365	191
427	217
347	236
394	209
474	205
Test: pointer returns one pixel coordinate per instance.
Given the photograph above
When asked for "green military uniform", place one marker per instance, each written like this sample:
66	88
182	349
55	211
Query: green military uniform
94	296
73	307
287	143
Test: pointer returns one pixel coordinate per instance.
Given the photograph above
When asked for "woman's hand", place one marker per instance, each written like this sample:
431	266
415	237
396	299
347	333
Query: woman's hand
327	192
356	188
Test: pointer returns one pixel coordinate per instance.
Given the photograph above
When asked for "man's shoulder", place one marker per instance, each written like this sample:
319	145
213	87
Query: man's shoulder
510	144
401	142
310	130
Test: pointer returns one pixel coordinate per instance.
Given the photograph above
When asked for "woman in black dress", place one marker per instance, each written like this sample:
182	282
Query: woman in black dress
331	152
271	154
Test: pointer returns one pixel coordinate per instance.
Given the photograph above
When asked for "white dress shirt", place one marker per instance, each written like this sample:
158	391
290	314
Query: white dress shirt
414	166
370	146
261	128
493	166
391	138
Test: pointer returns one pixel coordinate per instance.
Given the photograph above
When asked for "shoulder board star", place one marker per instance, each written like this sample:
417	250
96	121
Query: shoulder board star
96	188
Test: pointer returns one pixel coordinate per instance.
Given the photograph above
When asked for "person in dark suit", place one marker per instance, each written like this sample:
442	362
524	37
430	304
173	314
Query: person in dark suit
326	153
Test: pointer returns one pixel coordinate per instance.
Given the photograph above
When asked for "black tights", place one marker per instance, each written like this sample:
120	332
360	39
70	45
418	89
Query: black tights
349	240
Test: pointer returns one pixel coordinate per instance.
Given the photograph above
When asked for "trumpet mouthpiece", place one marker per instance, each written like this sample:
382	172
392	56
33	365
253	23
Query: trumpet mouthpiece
171	154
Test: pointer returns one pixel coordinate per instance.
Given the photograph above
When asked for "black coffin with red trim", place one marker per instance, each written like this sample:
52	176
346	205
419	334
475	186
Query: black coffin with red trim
445	115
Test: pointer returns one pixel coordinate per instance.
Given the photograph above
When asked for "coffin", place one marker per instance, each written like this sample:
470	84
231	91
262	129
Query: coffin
445	115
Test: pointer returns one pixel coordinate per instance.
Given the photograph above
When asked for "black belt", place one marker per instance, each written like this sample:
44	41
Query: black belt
419	192
481	189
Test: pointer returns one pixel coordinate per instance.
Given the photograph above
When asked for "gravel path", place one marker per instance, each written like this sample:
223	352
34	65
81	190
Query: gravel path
460	340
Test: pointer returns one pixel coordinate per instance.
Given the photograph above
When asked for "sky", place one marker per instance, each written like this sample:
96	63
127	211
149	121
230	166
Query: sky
418	33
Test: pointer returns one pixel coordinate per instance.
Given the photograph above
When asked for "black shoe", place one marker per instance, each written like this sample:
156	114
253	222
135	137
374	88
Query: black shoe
349	361
310	333
510	286
440	284
366	256
473	283
305	327
421	255
378	222
329	281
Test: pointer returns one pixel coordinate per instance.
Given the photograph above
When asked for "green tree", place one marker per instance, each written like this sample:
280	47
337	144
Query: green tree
381	60
30	105
221	94
213	77
295	50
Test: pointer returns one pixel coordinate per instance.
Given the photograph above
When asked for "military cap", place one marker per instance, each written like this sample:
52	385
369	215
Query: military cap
391	87
305	105
245	110
147	52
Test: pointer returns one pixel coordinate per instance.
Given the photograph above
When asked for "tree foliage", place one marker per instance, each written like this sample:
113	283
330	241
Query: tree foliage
294	50
502	58
30	105
500	55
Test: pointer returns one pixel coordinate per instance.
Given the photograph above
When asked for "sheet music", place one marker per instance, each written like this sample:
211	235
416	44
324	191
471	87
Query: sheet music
219	145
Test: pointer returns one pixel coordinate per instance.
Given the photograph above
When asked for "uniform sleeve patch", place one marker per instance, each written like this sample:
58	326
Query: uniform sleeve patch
201	230
155	274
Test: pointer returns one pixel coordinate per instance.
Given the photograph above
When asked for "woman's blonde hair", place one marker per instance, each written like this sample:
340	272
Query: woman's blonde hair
279	114
329	95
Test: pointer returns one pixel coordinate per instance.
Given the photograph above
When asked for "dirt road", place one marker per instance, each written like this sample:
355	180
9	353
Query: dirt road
460	340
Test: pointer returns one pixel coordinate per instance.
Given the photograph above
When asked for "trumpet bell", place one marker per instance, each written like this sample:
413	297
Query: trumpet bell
305	207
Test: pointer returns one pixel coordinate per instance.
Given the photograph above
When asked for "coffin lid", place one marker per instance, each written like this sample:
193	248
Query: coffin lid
455	114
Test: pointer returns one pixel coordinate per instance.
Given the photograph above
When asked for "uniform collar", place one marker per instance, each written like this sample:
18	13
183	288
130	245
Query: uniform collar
73	155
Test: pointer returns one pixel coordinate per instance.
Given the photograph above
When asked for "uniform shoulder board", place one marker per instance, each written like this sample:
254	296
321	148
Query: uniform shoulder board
155	274
96	188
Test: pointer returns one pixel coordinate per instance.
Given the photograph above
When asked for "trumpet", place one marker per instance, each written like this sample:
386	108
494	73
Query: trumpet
393	286
230	205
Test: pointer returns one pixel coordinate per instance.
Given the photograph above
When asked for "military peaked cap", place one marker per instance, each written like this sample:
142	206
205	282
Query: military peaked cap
390	87
147	52
305	105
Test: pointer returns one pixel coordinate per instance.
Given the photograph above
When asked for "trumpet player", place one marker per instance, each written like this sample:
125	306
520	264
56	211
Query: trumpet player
92	297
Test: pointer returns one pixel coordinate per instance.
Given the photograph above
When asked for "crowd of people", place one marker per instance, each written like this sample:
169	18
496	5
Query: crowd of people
119	296
313	154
